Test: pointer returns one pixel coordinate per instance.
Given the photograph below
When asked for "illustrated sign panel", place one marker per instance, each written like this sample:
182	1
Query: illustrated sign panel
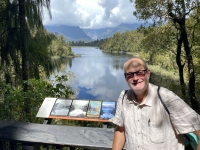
61	107
94	109
107	110
79	108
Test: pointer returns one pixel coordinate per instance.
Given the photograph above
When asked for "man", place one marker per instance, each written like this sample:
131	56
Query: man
141	119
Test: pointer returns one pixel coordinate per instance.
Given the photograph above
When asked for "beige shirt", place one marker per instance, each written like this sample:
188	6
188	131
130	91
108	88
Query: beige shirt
148	126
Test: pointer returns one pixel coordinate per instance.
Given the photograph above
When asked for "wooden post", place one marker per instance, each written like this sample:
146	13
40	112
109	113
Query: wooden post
47	120
105	125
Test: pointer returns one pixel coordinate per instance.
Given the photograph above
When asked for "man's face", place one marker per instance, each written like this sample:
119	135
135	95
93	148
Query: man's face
137	76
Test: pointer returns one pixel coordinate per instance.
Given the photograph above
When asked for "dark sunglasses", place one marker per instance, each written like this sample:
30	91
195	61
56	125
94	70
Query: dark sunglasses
140	73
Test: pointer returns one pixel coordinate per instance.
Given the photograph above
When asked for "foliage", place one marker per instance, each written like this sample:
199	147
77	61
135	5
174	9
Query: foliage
12	98
22	46
92	43
60	47
124	42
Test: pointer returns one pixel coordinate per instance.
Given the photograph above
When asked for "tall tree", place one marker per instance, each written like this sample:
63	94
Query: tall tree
21	17
174	11
30	16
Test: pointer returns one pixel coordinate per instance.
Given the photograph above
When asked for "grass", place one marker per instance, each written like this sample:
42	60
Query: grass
164	73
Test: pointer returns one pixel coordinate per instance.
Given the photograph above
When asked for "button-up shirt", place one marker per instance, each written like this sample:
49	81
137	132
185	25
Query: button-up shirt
148	126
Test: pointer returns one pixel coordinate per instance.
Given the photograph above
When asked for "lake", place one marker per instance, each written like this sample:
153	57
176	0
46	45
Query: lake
99	75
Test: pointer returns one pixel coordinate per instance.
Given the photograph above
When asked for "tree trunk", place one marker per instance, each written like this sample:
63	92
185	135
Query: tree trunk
23	40
191	85
24	53
180	66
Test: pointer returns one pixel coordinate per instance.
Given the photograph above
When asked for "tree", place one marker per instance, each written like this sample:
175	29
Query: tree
60	47
21	16
117	42
40	55
174	11
30	16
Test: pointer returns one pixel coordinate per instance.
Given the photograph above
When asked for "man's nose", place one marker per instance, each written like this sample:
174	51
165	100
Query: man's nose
135	77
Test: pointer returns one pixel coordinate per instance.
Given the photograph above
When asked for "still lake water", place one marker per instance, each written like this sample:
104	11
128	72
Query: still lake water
99	75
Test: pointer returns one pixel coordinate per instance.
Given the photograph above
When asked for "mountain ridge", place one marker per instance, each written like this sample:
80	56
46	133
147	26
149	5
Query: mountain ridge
71	33
75	33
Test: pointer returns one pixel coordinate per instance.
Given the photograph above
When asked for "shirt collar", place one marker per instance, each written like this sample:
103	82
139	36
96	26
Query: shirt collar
148	100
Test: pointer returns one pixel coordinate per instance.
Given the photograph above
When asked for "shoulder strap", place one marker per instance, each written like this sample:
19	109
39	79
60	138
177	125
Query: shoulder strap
162	100
124	95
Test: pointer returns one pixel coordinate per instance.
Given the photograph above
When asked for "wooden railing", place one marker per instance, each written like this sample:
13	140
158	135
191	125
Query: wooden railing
30	136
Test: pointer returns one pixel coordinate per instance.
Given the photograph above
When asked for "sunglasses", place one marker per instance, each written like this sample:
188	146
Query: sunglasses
140	73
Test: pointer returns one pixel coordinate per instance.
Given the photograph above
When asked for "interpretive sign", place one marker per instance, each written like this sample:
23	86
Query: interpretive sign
94	109
77	109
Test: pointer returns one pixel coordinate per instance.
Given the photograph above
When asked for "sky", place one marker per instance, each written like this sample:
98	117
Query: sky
92	14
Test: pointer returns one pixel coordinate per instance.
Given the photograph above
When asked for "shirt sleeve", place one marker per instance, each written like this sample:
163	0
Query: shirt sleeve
118	118
182	116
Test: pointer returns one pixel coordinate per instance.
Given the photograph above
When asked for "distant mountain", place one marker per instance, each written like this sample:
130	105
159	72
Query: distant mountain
98	33
109	32
71	33
75	33
123	28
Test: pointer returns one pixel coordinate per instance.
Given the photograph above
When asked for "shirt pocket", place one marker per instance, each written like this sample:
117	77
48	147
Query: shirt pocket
156	132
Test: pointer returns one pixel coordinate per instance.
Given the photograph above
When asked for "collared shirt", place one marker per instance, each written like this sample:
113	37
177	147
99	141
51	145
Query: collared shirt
148	125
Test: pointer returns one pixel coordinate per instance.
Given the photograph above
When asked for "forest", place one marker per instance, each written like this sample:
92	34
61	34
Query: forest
28	52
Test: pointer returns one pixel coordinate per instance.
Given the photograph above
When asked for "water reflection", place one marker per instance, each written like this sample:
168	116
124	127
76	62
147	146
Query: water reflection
99	75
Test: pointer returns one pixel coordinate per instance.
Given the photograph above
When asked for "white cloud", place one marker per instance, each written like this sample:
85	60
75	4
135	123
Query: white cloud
90	13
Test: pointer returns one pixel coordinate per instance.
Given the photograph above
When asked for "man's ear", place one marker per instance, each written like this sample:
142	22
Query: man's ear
148	74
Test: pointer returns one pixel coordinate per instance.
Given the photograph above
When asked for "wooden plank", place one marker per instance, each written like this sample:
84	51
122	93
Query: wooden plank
79	118
27	147
85	137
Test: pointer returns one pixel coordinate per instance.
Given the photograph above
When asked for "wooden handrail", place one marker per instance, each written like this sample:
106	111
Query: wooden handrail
47	134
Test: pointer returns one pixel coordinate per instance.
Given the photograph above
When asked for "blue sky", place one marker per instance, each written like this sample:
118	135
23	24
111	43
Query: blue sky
90	13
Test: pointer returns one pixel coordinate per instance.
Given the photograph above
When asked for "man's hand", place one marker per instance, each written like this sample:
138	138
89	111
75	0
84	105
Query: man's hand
198	135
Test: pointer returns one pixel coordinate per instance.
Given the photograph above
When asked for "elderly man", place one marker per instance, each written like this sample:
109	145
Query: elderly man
141	120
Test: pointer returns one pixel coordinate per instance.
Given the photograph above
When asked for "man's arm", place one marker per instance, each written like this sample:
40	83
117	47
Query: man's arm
198	135
119	138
